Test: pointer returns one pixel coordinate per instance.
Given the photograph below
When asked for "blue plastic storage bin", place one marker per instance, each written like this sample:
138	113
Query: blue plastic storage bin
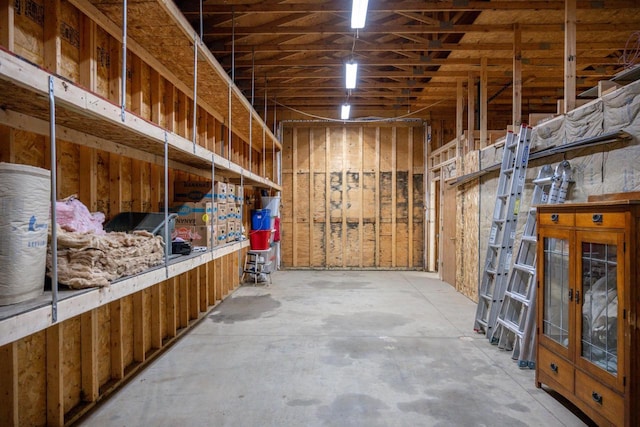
261	219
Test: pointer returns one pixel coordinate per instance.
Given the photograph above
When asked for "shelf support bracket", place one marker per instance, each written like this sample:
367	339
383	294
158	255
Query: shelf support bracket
54	185
123	89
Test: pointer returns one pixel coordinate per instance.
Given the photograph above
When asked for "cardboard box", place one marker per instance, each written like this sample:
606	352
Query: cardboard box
231	231
239	194
222	213
191	191
197	235
219	192
231	193
221	233
193	214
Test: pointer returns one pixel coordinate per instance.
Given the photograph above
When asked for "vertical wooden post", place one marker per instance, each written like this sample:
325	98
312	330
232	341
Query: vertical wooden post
211	282
117	347
361	194
378	223
471	110
7	145
327	182
88	71
52	43
394	196
7	33
219	277
410	222
569	55
484	102
294	191
156	96
9	384
184	300
203	273
312	221
115	184
139	326
459	111
55	380
517	77
171	306
156	315
89	351
194	293
343	205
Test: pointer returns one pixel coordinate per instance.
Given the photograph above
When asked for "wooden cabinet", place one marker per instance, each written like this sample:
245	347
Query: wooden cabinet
587	306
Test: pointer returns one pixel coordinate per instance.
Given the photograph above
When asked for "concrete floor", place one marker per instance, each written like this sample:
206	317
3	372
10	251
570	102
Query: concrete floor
329	348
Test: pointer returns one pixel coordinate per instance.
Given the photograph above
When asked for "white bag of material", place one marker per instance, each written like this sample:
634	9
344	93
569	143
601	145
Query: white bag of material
24	222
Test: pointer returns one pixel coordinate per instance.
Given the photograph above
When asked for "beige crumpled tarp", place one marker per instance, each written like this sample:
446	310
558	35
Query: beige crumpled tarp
87	260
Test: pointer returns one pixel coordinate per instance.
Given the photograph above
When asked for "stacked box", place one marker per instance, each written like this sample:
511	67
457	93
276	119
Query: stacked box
193	223
231	231
231	193
221	233
219	192
191	191
239	194
222	213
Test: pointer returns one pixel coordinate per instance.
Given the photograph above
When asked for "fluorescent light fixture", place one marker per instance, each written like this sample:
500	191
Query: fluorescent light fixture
344	114
359	13
352	73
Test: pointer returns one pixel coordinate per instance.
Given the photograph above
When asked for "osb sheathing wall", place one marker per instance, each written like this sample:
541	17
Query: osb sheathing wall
610	168
467	199
353	195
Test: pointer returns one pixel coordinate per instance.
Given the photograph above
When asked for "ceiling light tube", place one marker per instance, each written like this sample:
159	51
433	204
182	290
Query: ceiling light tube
359	13
344	113
352	73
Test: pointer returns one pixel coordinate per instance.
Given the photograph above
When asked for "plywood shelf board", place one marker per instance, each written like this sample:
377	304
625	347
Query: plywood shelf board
82	111
163	32
36	314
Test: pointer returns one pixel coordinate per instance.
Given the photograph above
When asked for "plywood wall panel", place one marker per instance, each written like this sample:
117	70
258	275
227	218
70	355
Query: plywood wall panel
319	250
69	41
335	245
102	172
71	363
402	245
103	62
353	202
127	332
32	364
352	250
30	149
68	170
104	344
29	32
335	195
356	187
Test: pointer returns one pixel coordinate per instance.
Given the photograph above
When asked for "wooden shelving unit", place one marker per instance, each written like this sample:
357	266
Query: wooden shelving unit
121	145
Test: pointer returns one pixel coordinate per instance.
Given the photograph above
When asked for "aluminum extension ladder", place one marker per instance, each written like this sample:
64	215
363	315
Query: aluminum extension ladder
515	329
503	229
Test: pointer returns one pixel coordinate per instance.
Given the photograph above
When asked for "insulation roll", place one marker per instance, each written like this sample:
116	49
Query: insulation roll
24	221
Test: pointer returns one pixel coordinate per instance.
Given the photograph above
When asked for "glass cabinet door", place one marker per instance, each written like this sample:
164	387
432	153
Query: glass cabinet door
600	272
556	276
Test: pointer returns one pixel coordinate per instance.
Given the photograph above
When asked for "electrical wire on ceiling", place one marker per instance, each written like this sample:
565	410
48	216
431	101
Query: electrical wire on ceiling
389	119
631	53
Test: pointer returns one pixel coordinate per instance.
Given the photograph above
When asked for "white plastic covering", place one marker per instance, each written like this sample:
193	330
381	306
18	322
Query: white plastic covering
24	223
584	122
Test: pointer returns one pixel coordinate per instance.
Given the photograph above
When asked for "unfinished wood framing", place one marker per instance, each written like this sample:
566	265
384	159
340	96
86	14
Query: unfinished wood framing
355	195
52	373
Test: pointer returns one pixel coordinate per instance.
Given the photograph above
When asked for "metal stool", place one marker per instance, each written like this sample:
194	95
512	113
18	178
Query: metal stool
257	262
